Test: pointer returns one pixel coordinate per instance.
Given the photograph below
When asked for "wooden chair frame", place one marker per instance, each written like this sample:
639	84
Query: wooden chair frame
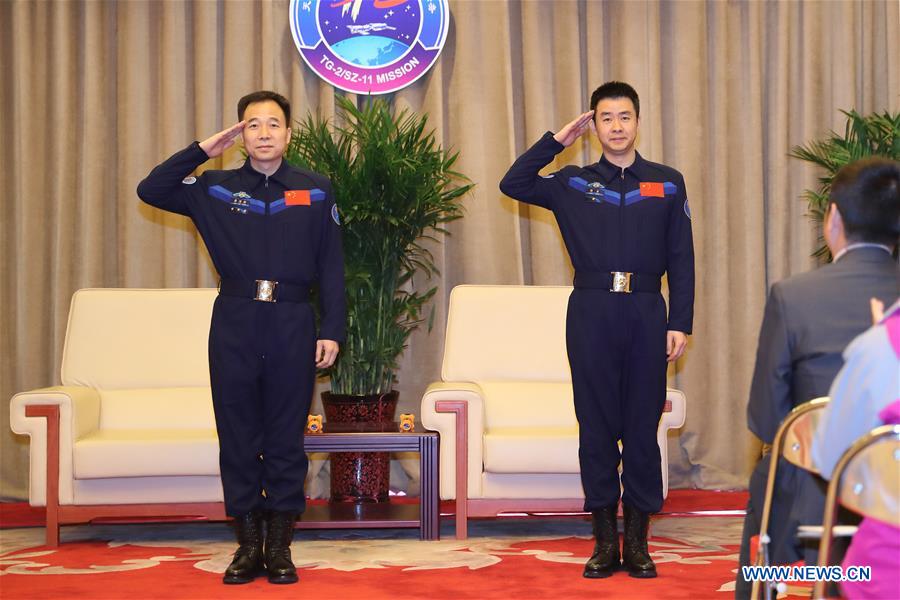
879	435
778	451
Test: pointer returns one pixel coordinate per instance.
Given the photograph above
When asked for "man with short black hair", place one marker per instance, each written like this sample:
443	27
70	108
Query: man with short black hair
272	231
265	96
809	320
625	222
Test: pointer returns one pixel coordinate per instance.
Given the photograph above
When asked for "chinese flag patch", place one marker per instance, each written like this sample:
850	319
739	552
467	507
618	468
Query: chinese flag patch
301	197
652	189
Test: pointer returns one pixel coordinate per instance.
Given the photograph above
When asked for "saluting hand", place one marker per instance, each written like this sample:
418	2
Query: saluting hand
326	353
217	144
574	130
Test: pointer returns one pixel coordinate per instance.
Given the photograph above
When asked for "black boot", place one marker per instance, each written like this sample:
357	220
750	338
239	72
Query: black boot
279	565
248	559
605	559
635	555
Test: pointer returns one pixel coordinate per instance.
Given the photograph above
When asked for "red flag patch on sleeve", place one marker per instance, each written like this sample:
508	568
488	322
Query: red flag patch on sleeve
652	189
301	197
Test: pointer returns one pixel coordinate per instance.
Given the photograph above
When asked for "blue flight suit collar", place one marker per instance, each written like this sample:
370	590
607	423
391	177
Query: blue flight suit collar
640	169
253	178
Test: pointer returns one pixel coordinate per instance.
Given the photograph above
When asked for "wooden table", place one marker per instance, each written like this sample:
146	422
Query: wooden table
356	438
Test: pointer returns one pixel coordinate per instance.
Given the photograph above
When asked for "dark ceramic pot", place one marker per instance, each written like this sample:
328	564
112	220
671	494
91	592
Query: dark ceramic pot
360	476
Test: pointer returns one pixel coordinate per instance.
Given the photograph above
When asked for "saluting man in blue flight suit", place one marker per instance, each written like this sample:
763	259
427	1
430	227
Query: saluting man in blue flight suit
272	231
625	222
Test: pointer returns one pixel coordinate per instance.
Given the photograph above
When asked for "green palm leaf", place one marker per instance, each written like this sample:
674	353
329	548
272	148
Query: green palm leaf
395	188
872	135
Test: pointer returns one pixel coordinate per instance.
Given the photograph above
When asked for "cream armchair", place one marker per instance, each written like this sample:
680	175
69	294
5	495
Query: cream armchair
131	431
504	409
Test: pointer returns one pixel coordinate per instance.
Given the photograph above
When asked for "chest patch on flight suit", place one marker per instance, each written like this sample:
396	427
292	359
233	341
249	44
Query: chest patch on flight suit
650	189
296	198
240	202
594	191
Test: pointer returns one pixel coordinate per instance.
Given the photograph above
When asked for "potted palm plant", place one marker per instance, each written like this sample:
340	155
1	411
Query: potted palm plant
872	135
395	187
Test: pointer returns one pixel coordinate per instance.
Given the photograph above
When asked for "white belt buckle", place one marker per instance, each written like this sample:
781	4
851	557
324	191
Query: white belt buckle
265	290
621	282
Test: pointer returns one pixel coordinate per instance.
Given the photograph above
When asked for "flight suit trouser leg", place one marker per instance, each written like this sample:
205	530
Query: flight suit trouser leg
643	400
593	344
288	379
617	354
235	370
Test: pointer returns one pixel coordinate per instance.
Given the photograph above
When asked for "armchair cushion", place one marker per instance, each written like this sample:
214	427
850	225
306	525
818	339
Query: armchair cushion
527	403
173	408
531	450
147	452
138	338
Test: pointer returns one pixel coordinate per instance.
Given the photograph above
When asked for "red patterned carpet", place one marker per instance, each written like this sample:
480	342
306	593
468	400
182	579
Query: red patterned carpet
503	558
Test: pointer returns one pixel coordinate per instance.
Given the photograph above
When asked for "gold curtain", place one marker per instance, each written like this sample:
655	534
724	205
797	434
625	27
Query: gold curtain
94	94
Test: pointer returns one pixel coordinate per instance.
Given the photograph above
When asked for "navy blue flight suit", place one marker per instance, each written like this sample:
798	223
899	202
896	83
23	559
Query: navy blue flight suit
634	220
285	228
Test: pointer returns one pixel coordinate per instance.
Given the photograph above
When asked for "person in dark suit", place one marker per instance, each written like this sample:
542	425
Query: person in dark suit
809	320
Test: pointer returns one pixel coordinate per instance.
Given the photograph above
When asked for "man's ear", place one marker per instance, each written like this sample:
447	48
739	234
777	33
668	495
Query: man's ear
836	221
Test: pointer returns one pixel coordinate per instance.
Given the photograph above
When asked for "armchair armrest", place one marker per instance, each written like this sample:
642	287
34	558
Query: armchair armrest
79	415
445	424
676	407
672	418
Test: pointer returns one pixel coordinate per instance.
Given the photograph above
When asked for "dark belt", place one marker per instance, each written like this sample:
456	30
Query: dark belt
618	282
264	290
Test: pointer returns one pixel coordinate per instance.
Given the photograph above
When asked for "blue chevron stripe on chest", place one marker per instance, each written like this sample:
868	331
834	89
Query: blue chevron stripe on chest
258	206
315	195
634	196
221	193
607	195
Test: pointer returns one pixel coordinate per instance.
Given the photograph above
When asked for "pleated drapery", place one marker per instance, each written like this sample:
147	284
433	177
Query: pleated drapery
94	94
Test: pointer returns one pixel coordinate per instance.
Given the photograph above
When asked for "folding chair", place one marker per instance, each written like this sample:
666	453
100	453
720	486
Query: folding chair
866	480
793	442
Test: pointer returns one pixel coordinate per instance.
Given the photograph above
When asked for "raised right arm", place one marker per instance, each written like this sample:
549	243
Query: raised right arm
168	186
523	181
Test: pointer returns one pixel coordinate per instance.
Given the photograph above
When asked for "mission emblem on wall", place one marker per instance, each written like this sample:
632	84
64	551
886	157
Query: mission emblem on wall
369	46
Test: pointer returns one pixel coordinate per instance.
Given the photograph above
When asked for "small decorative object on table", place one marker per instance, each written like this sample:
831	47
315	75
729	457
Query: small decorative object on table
314	424
407	422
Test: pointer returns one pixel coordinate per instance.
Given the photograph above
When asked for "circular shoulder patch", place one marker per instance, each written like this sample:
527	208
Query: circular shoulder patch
687	209
335	215
189	180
